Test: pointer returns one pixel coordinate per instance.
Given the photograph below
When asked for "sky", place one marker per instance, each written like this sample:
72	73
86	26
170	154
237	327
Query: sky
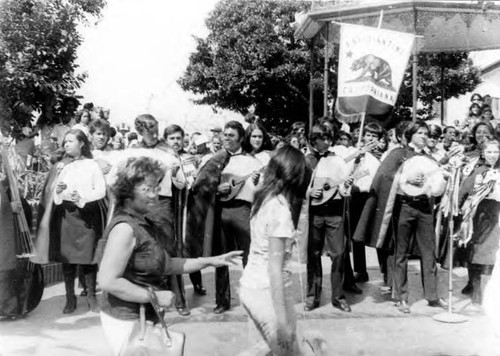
138	50
134	56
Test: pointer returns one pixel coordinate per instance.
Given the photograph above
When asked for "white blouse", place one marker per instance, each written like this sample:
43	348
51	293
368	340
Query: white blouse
273	220
83	176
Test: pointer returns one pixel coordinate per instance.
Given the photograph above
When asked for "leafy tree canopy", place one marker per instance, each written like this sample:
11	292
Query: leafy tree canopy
440	75
38	44
251	58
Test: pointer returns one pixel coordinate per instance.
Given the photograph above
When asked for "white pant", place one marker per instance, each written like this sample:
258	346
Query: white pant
263	322
117	331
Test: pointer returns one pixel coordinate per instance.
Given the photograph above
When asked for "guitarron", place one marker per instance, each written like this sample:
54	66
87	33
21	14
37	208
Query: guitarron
21	281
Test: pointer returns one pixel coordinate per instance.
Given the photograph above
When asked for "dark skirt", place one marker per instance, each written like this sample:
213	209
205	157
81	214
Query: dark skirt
486	233
75	232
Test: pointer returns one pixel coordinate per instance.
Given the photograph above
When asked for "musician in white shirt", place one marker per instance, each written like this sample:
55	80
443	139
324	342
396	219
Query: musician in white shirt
415	216
432	148
184	170
162	214
326	230
364	168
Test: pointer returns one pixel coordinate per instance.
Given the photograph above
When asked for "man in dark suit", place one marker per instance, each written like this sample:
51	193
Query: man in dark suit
216	223
326	227
391	217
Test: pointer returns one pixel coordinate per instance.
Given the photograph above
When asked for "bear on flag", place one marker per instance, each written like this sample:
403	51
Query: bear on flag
372	63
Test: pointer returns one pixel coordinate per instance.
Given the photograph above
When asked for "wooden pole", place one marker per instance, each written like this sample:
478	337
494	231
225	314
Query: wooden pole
325	74
442	89
414	81
415	67
311	89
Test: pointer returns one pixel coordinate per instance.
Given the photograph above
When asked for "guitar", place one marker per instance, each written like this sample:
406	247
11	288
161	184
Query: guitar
330	190
433	174
236	183
330	172
24	282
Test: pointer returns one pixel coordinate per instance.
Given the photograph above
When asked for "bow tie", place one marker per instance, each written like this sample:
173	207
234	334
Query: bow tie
322	155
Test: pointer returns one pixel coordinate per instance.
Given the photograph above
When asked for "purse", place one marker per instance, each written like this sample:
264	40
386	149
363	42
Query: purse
147	339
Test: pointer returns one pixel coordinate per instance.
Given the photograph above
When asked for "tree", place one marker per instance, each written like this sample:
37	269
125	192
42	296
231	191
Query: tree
38	44
451	74
251	58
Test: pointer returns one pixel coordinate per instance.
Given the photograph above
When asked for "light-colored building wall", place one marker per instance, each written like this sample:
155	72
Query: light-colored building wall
458	108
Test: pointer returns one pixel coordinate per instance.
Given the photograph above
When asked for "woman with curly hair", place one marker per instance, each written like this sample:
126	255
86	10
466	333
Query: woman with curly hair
133	257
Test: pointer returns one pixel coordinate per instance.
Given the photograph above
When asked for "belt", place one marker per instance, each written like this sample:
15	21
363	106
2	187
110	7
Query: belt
234	203
416	199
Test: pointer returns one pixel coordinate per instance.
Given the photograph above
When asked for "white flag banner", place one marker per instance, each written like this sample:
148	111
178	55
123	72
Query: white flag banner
372	63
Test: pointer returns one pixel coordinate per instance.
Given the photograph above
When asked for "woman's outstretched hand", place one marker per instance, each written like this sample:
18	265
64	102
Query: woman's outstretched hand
232	258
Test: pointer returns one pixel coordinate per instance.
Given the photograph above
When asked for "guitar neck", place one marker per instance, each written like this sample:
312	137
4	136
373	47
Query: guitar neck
16	198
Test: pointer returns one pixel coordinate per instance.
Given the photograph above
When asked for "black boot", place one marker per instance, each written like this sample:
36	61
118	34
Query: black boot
91	281
69	272
197	283
70	306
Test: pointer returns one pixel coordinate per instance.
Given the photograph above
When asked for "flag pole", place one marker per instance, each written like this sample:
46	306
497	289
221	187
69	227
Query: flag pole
381	18
325	74
449	317
414	63
361	127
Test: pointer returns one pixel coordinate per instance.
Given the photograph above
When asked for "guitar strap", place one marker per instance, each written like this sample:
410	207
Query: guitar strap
313	175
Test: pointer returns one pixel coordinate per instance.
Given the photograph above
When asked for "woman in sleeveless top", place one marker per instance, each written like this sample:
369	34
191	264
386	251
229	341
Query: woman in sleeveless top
132	256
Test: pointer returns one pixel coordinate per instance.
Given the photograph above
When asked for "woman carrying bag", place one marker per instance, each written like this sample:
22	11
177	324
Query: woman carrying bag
133	264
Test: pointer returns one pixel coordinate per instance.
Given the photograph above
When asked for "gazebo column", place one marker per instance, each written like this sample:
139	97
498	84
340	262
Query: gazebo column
311	89
414	80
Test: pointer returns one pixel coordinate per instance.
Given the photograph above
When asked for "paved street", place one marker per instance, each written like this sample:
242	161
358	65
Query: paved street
374	327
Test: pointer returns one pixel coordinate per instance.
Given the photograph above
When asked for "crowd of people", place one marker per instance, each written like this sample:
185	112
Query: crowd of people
142	210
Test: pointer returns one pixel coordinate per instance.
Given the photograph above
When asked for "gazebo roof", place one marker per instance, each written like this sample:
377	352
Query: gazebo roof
445	25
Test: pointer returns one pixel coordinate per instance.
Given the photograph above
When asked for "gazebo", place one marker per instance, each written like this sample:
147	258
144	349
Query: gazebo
440	26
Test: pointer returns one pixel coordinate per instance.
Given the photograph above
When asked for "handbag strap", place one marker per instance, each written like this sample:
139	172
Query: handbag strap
156	306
